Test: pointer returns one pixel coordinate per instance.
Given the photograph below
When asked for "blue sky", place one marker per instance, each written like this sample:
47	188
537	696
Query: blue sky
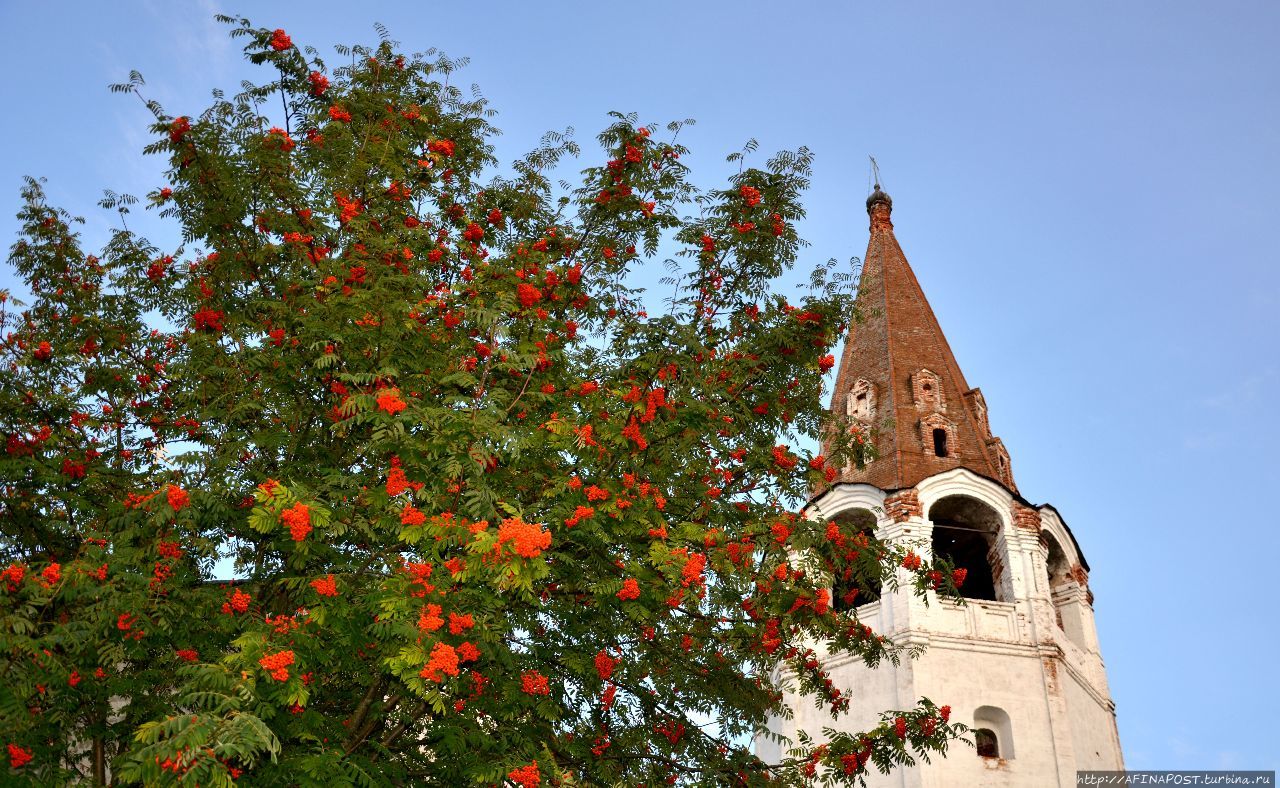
1087	191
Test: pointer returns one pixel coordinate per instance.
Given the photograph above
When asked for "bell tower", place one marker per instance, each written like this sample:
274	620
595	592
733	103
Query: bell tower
1019	661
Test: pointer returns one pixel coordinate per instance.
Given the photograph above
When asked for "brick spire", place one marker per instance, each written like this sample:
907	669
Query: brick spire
900	381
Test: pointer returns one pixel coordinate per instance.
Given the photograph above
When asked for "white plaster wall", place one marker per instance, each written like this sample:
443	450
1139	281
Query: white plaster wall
871	691
1010	654
1093	728
953	673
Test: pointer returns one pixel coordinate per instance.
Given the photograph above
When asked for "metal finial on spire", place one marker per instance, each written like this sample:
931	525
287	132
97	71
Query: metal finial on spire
877	195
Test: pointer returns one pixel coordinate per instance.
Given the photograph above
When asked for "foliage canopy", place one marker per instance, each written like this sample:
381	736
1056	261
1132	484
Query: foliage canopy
494	521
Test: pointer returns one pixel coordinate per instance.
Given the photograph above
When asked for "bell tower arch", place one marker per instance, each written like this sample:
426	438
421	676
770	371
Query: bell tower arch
1017	658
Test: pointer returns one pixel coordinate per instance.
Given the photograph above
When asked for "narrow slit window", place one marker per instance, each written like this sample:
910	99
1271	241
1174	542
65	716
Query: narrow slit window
940	442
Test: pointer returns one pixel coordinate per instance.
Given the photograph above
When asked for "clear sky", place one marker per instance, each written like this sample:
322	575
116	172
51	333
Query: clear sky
1088	191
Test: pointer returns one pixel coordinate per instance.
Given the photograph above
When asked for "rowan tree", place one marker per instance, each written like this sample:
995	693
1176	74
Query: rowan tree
492	522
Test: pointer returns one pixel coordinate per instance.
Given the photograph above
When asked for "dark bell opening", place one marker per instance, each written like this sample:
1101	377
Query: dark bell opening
967	550
846	593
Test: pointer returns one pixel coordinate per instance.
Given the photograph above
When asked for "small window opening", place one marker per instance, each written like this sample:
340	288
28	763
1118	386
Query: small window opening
988	744
993	733
940	442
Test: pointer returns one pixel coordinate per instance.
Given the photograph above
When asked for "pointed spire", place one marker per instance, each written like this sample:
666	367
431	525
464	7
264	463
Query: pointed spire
899	381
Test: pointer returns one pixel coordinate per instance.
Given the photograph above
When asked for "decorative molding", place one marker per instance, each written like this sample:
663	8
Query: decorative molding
1004	465
860	402
936	421
844	496
962	481
926	390
979	405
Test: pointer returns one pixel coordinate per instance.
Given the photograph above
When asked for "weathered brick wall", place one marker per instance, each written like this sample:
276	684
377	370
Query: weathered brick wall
900	349
902	506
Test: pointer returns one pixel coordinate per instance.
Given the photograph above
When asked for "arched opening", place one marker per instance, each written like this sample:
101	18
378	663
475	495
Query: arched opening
1056	566
1057	572
964	532
940	442
1063	590
988	743
993	732
847	591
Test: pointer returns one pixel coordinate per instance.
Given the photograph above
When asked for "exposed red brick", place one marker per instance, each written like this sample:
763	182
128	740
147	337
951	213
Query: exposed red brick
1079	574
995	560
899	350
1051	674
1026	517
879	212
903	505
